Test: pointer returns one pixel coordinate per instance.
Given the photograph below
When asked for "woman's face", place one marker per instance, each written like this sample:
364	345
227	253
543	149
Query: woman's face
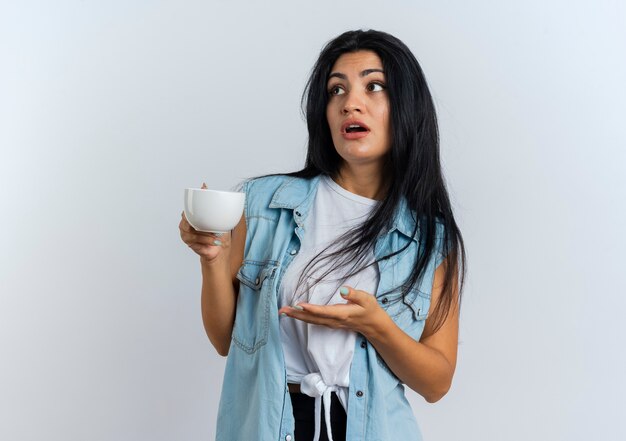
357	95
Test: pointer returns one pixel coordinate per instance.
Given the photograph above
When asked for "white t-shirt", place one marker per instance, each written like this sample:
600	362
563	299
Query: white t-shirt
315	349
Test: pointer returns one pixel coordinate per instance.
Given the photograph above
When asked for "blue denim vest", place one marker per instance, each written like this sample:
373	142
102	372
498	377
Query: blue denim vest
255	402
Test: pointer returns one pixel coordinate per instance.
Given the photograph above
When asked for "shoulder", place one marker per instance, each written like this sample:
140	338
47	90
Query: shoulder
438	223
260	191
435	229
275	191
265	184
405	219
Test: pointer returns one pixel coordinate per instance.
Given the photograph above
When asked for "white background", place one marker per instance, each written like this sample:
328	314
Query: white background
109	109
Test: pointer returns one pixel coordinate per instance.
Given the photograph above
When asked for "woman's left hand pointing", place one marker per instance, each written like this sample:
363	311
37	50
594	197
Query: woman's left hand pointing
362	313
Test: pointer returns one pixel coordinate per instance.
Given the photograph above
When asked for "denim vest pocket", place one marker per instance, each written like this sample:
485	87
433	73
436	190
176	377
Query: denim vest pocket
253	305
414	306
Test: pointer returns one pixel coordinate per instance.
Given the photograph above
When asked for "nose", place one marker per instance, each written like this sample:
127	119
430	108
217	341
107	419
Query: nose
348	108
352	103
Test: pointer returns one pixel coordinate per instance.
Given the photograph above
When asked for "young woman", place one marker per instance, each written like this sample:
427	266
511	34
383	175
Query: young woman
341	283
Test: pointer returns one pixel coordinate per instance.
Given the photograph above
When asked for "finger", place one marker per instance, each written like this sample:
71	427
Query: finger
206	233
201	248
184	225
191	235
308	317
354	295
195	247
184	216
202	240
187	228
337	312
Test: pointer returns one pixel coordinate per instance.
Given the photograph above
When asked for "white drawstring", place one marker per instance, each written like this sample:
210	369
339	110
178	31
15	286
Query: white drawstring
313	386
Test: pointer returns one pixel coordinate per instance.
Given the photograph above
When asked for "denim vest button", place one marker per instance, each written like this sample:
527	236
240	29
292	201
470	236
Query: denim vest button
363	344
385	300
293	252
288	438
256	282
359	393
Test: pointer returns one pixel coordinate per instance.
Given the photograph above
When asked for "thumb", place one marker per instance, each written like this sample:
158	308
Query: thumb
353	295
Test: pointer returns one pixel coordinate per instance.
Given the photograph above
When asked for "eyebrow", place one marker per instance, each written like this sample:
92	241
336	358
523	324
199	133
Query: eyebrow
362	74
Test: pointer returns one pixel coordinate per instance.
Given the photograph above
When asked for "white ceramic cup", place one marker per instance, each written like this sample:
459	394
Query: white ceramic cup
212	210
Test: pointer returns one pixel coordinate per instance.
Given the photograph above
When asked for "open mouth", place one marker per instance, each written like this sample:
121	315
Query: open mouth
354	128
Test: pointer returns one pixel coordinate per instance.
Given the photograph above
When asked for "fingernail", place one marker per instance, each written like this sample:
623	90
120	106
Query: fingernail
298	307
344	291
219	234
283	314
217	242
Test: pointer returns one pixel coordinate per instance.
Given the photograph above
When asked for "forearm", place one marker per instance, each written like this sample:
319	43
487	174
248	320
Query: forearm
218	303
422	368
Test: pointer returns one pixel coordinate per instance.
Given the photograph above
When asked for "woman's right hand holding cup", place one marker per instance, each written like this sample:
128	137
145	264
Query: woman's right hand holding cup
209	246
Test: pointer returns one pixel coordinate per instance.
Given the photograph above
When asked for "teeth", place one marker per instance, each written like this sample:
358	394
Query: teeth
355	128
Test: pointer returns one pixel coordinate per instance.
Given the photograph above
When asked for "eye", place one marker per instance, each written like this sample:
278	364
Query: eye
372	87
335	90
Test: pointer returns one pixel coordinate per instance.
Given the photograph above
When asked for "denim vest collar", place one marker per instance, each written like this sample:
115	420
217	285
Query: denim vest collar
297	194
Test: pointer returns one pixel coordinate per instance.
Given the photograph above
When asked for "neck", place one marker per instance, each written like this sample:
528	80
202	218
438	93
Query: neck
367	180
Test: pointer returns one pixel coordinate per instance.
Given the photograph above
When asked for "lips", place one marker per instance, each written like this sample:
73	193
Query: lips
352	122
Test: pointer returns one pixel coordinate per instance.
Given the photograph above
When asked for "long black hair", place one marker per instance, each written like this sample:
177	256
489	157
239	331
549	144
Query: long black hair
413	167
